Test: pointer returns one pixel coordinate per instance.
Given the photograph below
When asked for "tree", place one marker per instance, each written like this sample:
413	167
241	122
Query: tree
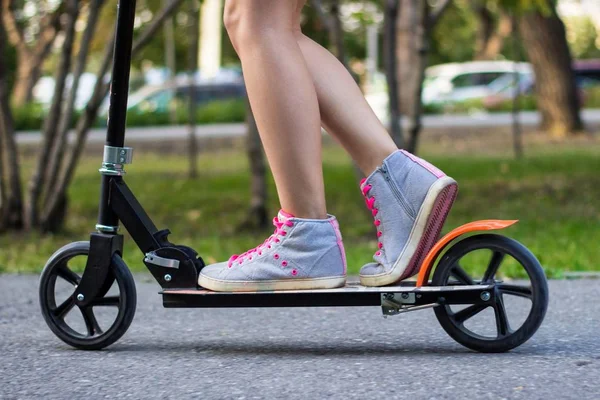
46	201
33	42
416	20
545	42
193	67
258	216
492	31
10	184
391	69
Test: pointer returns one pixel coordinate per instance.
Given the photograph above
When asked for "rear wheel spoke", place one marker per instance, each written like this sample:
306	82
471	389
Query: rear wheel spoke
490	272
502	325
91	323
515	290
468	312
461	275
66	306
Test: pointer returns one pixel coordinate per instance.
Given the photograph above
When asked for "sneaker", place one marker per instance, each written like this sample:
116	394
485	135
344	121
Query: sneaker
302	254
410	200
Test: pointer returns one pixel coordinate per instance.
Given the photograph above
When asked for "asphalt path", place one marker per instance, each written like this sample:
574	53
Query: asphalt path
222	131
303	353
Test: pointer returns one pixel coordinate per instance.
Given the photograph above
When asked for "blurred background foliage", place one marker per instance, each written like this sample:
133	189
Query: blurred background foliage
545	175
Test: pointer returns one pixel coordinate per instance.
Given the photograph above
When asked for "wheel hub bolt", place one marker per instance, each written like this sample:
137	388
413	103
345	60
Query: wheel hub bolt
485	296
168	278
80	297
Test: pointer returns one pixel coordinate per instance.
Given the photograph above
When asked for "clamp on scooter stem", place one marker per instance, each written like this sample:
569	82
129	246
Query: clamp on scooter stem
114	160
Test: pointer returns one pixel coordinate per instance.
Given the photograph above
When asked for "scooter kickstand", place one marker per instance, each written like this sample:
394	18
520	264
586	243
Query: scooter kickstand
398	303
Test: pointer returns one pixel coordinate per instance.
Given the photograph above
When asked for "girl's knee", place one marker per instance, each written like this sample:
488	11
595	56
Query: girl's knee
232	15
247	21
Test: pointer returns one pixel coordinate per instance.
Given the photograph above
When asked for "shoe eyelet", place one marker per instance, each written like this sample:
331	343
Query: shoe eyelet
294	272
276	256
378	253
284	263
380	245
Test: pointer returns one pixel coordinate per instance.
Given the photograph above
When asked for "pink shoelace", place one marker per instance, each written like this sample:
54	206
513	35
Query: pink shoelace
370	201
274	238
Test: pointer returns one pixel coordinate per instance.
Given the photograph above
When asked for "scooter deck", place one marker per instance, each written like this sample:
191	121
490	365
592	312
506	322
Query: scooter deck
353	294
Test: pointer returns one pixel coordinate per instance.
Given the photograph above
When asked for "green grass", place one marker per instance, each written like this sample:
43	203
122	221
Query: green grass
555	194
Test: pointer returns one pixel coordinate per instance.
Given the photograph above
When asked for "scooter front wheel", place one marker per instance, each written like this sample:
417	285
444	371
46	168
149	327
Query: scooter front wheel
80	326
517	308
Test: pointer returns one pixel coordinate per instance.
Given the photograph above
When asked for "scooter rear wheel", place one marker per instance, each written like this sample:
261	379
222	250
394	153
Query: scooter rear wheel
57	303
450	271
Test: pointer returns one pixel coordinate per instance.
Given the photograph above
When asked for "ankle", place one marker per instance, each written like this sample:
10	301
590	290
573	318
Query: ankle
306	212
375	160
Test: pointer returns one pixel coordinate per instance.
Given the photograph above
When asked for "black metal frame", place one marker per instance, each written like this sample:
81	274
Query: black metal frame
179	280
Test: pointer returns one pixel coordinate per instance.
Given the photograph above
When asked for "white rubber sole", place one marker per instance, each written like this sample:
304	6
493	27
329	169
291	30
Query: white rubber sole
416	235
219	285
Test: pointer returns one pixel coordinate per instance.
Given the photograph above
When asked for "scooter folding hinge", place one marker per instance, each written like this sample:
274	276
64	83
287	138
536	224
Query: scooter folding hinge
152	258
396	303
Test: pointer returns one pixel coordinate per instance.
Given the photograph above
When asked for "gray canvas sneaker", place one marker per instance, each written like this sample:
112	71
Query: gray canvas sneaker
302	254
410	200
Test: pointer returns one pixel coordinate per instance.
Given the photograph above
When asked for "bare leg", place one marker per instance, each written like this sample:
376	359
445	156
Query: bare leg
283	99
345	113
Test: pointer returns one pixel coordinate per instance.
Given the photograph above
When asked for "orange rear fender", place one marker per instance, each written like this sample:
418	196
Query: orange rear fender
476	226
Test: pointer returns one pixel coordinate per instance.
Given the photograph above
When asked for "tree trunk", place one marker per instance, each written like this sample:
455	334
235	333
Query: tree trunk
491	36
415	23
391	70
412	60
258	217
516	125
56	197
60	144
30	59
37	183
193	67
546	45
169	41
10	184
28	74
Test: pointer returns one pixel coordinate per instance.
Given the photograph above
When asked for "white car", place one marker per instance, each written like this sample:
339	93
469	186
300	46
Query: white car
455	82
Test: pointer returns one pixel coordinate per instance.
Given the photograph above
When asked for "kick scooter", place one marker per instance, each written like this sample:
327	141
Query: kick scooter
455	296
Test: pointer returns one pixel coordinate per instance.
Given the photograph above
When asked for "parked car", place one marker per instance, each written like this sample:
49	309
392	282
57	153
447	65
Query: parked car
455	82
159	98
587	75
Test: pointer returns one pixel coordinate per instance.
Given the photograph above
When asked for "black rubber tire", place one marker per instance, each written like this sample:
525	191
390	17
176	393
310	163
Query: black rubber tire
126	300
538	293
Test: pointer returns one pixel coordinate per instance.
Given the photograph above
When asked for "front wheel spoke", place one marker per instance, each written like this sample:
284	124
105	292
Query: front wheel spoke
66	306
468	312
110	301
461	275
493	266
515	290
91	323
502	326
68	275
